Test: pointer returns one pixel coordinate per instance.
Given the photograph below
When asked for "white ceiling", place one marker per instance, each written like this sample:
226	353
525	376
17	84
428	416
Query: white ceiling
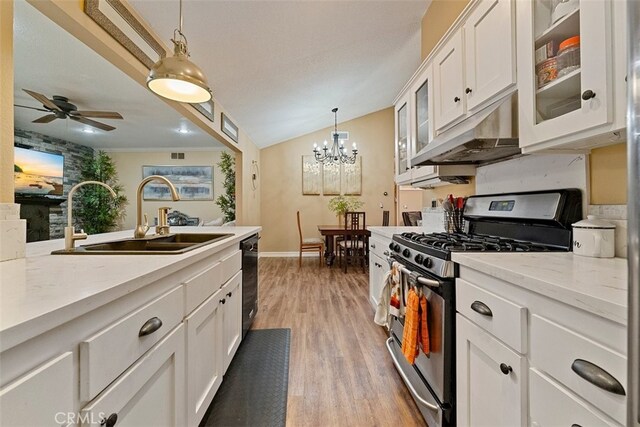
50	61
279	67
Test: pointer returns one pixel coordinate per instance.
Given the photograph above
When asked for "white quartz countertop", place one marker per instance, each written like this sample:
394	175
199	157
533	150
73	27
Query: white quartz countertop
42	291
597	285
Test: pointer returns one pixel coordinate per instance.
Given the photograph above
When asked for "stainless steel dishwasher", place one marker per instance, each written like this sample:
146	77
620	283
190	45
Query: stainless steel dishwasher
249	249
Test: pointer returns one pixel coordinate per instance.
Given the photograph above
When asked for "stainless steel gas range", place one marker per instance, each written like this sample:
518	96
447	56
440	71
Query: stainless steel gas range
518	222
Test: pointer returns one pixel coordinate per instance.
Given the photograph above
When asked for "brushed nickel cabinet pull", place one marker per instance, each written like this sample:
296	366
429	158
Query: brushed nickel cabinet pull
481	308
597	376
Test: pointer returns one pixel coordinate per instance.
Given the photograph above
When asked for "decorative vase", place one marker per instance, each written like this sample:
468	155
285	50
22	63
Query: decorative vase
340	220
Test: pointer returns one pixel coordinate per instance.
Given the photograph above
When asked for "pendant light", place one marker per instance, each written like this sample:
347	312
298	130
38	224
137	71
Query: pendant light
177	78
337	153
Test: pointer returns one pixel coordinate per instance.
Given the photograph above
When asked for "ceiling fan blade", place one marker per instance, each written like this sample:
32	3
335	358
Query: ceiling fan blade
98	114
93	123
43	99
45	119
31	108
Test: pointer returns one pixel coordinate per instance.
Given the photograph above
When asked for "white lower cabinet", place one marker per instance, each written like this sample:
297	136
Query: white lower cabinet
231	299
491	386
377	269
42	397
150	393
204	356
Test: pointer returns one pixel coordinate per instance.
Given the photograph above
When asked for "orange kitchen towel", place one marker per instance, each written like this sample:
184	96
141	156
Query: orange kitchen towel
411	324
423	332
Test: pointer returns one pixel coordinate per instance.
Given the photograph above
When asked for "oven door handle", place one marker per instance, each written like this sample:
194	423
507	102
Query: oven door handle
421	280
406	380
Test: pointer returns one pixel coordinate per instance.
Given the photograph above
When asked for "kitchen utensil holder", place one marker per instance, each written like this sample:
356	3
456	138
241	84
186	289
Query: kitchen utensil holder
453	222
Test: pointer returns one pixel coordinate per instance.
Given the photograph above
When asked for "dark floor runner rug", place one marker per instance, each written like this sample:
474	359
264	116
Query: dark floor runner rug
254	389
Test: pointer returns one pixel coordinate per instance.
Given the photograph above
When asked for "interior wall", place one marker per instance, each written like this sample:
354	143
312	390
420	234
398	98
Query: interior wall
250	194
436	21
281	169
6	101
129	167
608	167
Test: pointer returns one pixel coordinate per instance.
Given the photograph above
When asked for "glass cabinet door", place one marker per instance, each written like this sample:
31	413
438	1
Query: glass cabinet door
422	117
402	140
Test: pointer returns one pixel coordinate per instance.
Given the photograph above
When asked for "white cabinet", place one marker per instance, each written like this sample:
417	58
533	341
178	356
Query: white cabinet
402	150
448	70
44	396
205	358
150	393
490	51
231	299
491	387
582	97
378	266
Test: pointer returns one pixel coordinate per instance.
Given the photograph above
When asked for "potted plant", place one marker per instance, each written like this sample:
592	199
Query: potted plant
98	211
227	201
342	204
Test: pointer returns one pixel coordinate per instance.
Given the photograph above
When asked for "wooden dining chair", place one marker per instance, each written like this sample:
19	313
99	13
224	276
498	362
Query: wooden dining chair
385	218
411	217
354	246
309	244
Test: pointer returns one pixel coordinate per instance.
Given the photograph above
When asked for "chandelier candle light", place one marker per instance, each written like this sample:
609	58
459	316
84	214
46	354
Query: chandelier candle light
338	153
177	78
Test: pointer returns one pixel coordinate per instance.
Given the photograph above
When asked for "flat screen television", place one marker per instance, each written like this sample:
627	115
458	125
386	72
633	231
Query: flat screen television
38	173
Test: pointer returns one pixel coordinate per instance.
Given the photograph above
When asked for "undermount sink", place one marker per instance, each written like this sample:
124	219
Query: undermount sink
170	244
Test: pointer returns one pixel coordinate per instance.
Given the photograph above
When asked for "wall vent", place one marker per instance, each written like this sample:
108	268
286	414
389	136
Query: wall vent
342	135
177	156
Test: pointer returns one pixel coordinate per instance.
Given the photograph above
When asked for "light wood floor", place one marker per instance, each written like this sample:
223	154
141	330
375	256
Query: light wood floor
340	373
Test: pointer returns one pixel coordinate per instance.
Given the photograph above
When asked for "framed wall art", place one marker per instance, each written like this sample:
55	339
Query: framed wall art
117	20
311	181
192	182
330	179
206	109
229	128
352	178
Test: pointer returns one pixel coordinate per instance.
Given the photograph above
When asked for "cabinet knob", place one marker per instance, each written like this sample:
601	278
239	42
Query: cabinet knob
111	421
373	246
149	327
229	294
456	99
588	94
468	90
223	300
506	369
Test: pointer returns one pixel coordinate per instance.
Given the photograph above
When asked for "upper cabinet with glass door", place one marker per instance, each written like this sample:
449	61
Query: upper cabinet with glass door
422	116
569	66
402	131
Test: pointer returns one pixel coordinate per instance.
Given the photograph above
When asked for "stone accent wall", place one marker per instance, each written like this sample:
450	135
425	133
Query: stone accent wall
73	155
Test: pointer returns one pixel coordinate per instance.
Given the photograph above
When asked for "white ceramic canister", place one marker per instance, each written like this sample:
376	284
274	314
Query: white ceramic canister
594	237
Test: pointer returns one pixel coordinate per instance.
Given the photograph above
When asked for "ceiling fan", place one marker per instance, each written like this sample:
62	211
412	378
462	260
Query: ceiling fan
60	108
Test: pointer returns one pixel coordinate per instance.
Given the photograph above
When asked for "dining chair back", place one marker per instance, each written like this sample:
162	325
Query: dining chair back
385	218
309	244
411	218
355	243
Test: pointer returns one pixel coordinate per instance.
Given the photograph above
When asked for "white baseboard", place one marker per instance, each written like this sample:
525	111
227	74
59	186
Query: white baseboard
286	254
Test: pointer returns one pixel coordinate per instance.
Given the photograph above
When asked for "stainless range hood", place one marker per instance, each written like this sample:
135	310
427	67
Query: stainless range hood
485	137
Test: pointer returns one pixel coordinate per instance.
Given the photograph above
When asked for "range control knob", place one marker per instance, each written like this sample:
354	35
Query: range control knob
406	253
396	248
391	245
419	258
427	262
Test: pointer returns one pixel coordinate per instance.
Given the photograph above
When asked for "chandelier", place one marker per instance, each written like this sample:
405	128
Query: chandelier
338	153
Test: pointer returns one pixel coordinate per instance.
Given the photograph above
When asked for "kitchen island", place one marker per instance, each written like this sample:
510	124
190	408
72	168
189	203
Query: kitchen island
86	335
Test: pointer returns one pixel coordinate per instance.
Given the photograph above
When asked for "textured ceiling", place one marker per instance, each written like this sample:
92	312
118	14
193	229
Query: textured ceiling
50	61
279	67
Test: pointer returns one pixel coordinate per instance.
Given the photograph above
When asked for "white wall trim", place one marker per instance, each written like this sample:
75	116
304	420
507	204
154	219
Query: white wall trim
286	254
162	150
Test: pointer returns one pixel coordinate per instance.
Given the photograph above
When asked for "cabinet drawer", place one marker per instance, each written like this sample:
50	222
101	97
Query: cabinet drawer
42	397
150	393
379	247
109	352
552	405
200	287
231	265
501	318
554	349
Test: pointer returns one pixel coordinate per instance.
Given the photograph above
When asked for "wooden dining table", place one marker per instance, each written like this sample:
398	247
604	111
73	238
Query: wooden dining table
330	232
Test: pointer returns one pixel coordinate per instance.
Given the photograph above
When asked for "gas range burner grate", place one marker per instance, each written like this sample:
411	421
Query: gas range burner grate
460	242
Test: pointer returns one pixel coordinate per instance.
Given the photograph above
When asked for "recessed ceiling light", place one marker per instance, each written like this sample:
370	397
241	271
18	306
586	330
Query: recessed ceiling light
183	130
88	130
